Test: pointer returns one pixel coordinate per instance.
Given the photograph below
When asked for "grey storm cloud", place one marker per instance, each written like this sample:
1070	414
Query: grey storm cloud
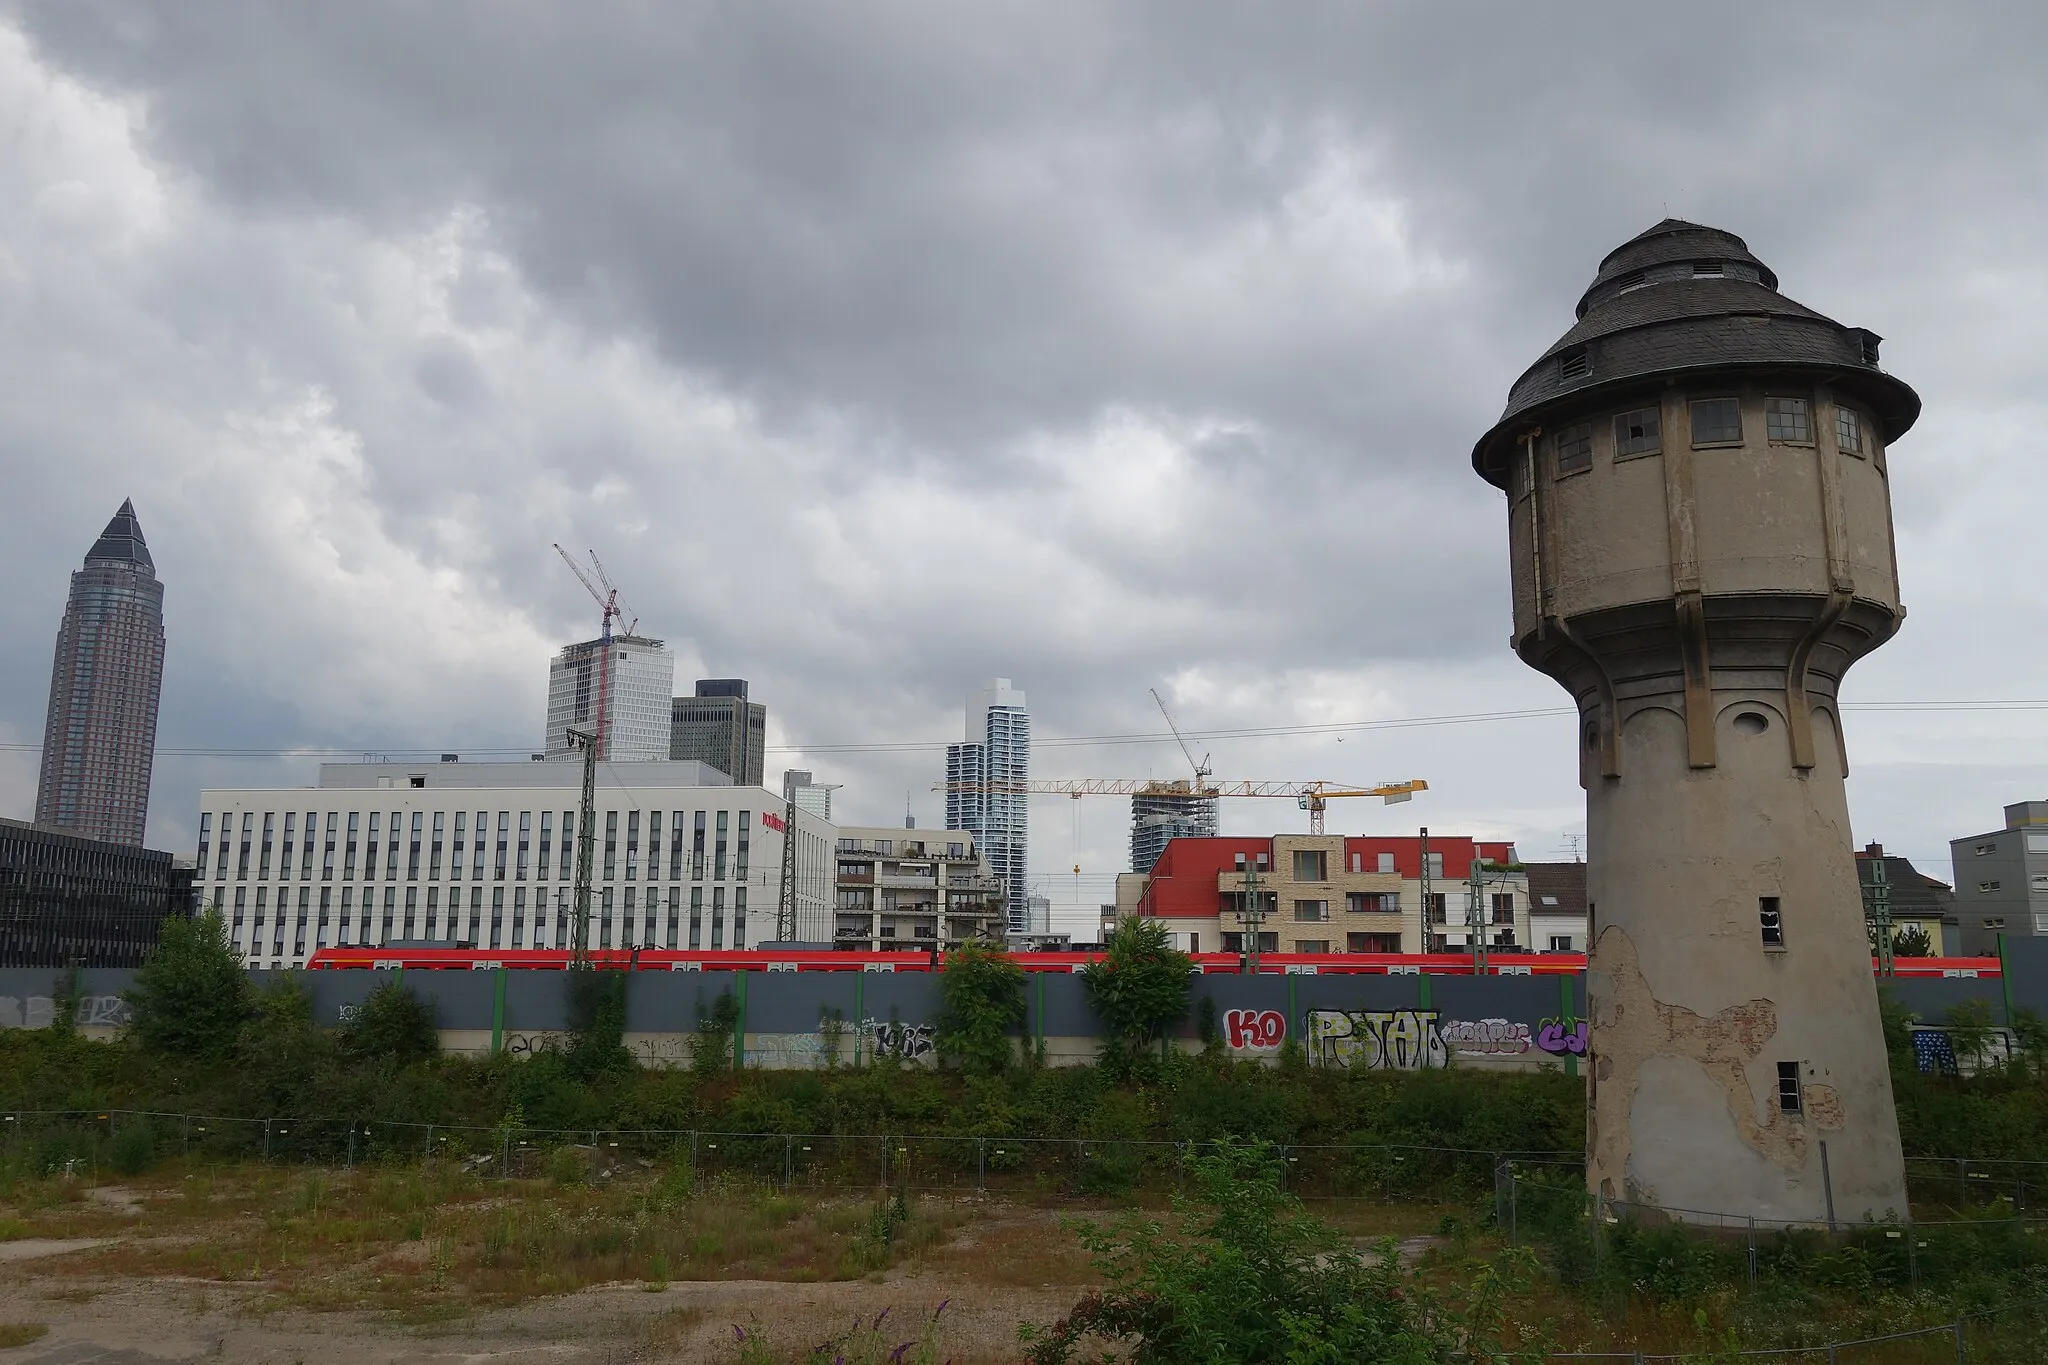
882	348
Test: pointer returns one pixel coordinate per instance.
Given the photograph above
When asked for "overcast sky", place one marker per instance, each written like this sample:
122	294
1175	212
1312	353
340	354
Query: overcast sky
880	349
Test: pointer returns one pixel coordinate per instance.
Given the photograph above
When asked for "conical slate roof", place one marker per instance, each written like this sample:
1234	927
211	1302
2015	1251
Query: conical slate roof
1685	299
122	543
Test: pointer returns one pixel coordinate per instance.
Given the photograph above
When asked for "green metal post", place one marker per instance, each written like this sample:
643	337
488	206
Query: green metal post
739	1027
498	1012
1568	1009
1422	991
2005	979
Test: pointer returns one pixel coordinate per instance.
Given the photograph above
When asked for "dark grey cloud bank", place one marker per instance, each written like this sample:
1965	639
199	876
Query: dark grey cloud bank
881	348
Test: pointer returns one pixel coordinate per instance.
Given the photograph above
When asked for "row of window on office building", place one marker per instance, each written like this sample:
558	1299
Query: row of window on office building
694	844
324	919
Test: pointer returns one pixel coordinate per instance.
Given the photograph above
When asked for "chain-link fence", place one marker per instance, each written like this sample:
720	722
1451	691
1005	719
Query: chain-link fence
2011	1332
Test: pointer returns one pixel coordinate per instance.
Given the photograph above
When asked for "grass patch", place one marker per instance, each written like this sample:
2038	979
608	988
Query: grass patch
14	1334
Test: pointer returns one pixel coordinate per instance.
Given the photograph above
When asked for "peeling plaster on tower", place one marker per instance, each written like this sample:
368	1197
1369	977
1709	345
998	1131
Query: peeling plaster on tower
1700	524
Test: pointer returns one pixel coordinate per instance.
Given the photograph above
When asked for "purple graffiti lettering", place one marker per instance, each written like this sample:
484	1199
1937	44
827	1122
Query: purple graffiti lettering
1559	1037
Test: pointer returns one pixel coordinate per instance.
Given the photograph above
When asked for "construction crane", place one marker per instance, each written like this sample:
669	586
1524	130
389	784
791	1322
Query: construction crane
598	584
1202	769
1310	796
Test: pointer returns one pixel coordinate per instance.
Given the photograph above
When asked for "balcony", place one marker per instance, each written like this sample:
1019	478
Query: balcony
974	884
900	879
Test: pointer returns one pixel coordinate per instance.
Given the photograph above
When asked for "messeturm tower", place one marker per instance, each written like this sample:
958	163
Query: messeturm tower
99	735
1699	519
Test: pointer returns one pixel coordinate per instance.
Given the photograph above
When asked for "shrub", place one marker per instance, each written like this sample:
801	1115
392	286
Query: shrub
597	1023
981	1000
711	1051
133	1147
392	1022
1245	1275
190	995
1138	988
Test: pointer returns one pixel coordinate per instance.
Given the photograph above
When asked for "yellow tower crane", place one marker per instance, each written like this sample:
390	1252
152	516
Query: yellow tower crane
1310	796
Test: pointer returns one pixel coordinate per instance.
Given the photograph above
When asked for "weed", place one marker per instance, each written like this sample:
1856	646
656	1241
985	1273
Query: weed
14	1334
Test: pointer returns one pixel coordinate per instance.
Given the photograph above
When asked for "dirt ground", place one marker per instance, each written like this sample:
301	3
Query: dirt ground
304	1268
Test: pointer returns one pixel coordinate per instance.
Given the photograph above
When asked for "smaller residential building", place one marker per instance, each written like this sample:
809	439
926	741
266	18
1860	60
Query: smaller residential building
913	890
1557	907
1915	900
2001	880
1337	894
65	898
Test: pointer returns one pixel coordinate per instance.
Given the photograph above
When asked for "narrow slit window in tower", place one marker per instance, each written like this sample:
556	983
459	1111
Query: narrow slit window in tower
1575	448
1770	921
1848	431
1788	1087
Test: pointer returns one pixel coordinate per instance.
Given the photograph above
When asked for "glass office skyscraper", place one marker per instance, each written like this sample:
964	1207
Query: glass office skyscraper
997	752
99	734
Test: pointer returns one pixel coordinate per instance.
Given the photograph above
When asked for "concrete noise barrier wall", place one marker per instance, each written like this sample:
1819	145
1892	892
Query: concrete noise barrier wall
812	1019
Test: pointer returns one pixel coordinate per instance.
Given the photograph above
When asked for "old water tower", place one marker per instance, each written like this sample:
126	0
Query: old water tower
1699	517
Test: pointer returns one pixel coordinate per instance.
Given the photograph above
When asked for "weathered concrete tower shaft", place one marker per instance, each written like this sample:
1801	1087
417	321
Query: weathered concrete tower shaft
1701	533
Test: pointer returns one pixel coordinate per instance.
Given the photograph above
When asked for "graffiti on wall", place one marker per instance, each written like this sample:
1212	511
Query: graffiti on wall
1489	1037
1562	1037
40	1011
1377	1040
891	1038
1250	1030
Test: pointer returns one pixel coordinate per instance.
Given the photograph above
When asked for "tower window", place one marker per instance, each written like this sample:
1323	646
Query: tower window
1636	433
1788	1088
1770	921
1702	270
1575	448
1848	431
1716	421
1575	364
1788	419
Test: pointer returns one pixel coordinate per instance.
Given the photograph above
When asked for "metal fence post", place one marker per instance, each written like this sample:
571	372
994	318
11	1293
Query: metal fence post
1752	1251
1962	1186
1514	1211
981	1165
1962	1351
266	1139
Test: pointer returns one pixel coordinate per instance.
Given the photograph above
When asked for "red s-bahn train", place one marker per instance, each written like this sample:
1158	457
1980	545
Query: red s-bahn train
1299	964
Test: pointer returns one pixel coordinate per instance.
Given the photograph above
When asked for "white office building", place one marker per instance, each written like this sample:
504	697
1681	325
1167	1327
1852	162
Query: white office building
483	855
997	752
815	797
638	684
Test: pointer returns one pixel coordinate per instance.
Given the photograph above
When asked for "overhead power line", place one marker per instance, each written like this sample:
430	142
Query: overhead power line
374	754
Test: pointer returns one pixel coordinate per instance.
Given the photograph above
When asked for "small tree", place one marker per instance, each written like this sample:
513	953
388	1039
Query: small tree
1912	941
392	1022
1138	988
981	1001
190	995
597	1023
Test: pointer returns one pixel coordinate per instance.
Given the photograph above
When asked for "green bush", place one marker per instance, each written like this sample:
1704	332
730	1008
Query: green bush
981	1003
1138	988
132	1148
1244	1275
191	995
392	1022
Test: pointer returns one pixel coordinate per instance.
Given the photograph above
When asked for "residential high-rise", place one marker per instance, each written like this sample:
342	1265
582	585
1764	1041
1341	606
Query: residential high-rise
719	726
642	675
1699	528
980	798
99	734
2002	880
1157	819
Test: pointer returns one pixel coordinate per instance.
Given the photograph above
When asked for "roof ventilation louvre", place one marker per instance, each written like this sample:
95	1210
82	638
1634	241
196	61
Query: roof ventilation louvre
1707	269
1635	279
1575	364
